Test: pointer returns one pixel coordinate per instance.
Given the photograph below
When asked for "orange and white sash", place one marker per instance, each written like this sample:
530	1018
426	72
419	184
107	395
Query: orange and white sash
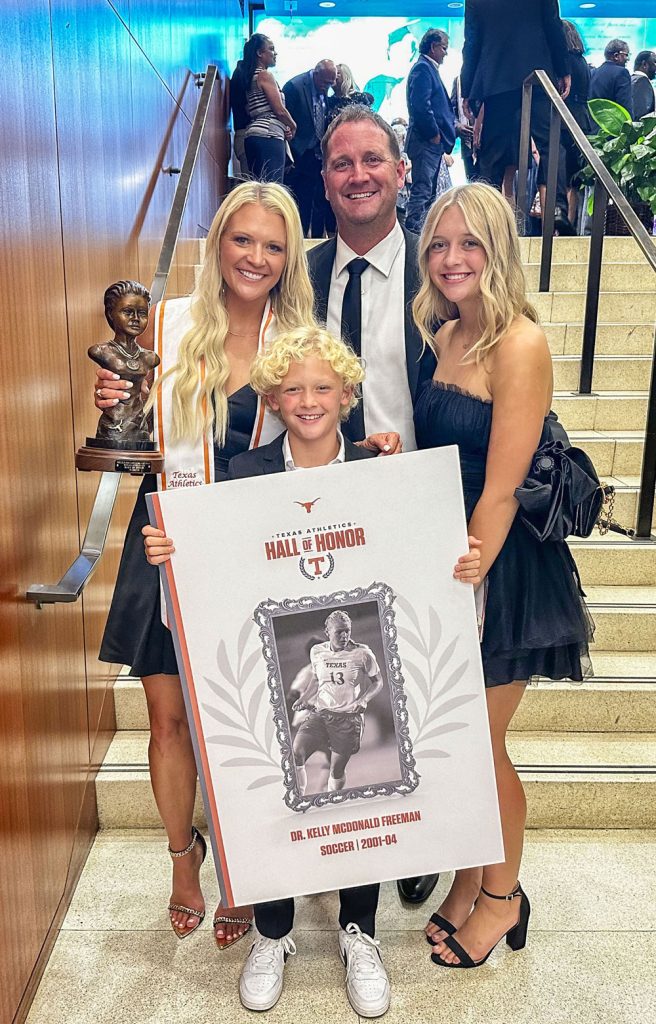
191	463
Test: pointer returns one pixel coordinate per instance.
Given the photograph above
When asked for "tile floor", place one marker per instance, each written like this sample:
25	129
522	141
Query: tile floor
591	955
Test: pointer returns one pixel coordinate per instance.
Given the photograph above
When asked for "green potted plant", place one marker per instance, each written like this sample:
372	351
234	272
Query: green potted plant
628	149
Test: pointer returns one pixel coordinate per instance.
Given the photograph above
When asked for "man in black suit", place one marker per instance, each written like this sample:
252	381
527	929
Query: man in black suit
431	132
504	43
612	81
363	171
305	97
642	90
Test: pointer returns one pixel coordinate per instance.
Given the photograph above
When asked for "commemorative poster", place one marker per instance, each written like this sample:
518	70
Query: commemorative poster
332	674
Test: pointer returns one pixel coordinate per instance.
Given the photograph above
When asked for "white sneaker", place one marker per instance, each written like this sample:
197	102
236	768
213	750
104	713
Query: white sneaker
367	984
260	985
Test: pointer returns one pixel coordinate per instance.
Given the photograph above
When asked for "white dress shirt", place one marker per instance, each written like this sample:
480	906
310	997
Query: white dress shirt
289	458
387	400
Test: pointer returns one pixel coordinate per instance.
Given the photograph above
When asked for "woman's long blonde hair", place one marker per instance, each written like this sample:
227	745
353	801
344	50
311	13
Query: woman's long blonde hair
196	403
503	286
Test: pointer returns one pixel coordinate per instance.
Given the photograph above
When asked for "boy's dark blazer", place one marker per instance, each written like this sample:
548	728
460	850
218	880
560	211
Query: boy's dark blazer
420	366
270	459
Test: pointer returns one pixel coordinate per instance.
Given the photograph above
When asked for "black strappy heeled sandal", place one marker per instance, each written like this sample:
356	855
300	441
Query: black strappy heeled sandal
442	923
515	937
196	837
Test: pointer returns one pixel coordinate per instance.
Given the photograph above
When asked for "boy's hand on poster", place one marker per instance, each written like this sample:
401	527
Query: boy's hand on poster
159	547
385	444
469	566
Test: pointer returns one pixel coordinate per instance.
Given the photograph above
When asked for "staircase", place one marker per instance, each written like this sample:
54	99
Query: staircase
586	754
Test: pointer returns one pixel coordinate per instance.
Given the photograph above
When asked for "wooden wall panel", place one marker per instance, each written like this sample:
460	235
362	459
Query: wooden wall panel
43	733
93	106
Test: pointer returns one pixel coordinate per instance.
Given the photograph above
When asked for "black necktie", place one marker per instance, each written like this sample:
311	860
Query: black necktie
351	328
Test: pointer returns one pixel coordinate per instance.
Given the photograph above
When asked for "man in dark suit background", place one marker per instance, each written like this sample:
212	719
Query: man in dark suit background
431	132
305	97
642	90
363	171
504	43
611	80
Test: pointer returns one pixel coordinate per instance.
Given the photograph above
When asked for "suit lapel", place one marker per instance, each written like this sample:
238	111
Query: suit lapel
320	263
274	461
413	346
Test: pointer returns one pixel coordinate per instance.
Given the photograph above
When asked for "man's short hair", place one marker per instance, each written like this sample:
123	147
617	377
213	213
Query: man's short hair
644	57
356	113
434	35
615	46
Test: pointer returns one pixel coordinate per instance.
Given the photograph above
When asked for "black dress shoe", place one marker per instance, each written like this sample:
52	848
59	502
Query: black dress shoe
417	889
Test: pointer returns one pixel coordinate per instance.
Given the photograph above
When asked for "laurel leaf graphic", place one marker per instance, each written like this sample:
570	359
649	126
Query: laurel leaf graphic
244	634
224	695
434	753
265	780
235	741
444	658
223	719
224	664
248	666
408	610
411	705
254	705
450	705
440	730
245	762
435	631
418	677
413	640
454	678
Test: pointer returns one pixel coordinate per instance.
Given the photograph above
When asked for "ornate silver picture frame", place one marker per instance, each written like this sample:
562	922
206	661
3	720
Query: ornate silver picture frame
383	764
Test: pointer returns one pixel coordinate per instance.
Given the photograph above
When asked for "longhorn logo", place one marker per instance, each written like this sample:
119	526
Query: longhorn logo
307	505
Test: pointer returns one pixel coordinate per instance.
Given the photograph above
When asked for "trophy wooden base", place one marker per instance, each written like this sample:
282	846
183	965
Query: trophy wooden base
136	459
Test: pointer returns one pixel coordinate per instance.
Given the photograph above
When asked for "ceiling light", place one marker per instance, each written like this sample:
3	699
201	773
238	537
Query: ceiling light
454	6
587	7
326	3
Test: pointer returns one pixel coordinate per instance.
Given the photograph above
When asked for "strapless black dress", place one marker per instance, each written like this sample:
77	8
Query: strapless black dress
135	634
536	623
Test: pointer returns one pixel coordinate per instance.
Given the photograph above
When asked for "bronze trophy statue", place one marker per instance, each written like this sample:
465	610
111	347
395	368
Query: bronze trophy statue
122	443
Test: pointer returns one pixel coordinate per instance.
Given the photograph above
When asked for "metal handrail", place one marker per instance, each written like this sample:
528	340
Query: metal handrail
605	189
81	570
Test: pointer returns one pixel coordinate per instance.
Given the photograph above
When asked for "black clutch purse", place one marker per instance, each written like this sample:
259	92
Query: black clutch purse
563	496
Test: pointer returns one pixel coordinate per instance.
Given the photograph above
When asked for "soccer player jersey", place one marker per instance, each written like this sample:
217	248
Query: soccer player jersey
337	673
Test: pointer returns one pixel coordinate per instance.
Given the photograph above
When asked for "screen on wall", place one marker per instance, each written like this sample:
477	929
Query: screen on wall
380	51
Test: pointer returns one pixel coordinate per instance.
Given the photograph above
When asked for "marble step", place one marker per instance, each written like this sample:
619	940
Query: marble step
581	780
611	373
607	411
577	250
636	307
612	339
615	277
614	561
625	617
614	453
620	697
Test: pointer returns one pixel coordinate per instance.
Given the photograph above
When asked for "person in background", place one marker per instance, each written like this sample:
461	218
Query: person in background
346	92
577	104
239	120
431	133
504	43
270	124
611	80
400	128
642	90
305	95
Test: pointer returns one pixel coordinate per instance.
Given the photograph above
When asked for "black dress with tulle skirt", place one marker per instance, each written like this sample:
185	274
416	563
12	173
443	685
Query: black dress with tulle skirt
135	634
536	623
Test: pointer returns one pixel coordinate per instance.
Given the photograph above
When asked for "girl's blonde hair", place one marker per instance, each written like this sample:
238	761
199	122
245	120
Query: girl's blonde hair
347	86
271	367
490	220
197	403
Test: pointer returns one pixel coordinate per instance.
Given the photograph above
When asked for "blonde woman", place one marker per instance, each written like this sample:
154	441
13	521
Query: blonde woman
345	93
491	395
254	282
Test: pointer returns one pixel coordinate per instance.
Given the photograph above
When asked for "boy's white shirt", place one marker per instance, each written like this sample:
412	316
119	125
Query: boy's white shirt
289	458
